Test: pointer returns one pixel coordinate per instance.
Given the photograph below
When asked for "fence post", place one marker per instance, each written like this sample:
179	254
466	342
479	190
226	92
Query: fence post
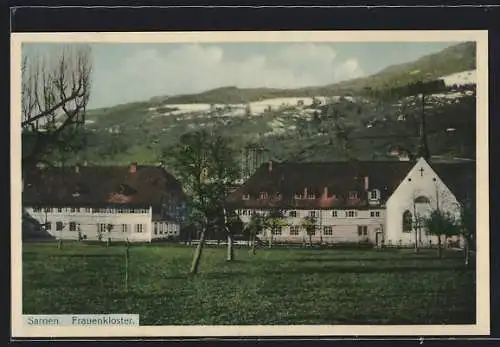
126	264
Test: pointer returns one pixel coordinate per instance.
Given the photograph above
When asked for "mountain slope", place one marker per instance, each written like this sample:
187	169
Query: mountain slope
144	131
453	59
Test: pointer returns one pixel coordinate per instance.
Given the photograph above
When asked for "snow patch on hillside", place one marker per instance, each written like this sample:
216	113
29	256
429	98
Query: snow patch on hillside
460	78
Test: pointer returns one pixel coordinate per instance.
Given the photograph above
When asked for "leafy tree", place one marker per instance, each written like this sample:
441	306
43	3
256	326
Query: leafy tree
204	162
309	225
467	226
274	221
109	228
254	227
234	227
440	224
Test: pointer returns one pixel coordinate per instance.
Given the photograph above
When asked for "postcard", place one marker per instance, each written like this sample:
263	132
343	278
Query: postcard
228	184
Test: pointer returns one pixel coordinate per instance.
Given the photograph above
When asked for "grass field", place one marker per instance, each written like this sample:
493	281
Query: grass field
276	286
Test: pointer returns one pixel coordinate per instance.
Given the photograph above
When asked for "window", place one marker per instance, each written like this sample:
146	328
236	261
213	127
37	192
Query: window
422	200
292	214
72	226
246	196
311	196
48	209
59	226
374	194
48	226
362	230
37	209
351	213
88	210
102	227
244	212
59	209
328	230
294	230
353	195
139	228
161	228
263	195
276	230
374	213
74	209
312	213
407	221
334	214
125	228
297	196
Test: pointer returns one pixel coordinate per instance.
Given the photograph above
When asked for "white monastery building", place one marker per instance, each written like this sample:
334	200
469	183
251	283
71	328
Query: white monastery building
134	203
356	201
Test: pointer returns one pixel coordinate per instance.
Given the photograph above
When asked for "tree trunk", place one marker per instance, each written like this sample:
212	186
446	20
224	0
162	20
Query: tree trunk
416	240
440	250
270	239
197	254
230	251
253	243
466	250
310	240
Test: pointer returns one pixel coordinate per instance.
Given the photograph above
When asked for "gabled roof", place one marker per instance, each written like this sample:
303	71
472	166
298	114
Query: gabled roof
100	186
339	179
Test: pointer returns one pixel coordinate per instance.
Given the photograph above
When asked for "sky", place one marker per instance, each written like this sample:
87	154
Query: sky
128	72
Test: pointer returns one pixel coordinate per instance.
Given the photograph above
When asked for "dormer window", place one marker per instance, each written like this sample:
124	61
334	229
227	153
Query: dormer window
311	196
374	194
278	196
125	189
297	196
246	196
353	195
263	195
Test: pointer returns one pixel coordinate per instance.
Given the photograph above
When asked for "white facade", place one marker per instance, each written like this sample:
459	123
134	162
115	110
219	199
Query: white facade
165	230
332	226
134	225
424	186
421	192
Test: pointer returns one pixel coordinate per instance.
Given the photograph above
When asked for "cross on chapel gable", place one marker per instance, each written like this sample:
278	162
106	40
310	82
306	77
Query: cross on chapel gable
421	172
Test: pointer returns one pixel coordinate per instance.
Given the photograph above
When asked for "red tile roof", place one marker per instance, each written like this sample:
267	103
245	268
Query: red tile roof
339	179
100	186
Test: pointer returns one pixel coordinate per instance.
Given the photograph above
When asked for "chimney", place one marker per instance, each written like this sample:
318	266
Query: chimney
133	167
270	165
367	183
325	192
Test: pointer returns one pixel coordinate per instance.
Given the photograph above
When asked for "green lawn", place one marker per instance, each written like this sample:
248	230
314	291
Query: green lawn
276	286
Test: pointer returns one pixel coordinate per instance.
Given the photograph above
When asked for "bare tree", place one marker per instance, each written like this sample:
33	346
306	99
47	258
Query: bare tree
55	91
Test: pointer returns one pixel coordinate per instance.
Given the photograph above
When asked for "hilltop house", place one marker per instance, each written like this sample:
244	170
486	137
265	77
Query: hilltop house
138	203
355	201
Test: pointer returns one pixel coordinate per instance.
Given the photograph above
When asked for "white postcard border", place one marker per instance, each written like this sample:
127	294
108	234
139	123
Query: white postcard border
482	326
